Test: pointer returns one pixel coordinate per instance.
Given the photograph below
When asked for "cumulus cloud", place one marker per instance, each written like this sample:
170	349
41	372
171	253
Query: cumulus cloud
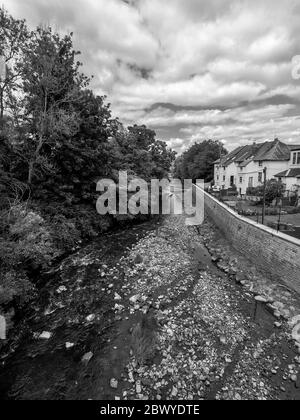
189	69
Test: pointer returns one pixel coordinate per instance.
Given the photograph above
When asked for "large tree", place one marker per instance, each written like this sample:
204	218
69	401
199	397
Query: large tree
198	161
137	150
52	85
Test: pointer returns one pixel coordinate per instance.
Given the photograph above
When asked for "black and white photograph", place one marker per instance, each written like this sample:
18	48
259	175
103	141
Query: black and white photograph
149	203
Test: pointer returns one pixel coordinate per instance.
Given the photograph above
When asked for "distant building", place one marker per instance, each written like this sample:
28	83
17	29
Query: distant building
243	168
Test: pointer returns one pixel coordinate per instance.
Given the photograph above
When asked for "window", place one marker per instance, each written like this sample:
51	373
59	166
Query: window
261	163
251	182
218	177
241	180
260	177
296	158
224	178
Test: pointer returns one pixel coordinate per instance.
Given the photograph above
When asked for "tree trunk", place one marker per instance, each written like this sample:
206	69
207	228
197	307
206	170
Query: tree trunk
30	172
1	105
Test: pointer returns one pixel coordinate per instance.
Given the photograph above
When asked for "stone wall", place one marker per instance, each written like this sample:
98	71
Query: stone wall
276	253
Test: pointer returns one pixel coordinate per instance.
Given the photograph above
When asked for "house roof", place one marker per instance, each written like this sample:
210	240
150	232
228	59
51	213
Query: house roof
240	155
273	151
290	173
268	151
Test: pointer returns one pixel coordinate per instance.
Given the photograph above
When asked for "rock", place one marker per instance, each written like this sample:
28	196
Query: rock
261	299
87	357
170	332
134	299
61	289
91	318
294	321
294	378
138	259
45	335
223	340
2	328
138	388
174	392
278	324
69	345
114	383
117	297
119	308
296	333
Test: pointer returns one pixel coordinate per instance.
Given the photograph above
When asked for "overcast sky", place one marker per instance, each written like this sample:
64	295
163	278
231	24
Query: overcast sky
190	69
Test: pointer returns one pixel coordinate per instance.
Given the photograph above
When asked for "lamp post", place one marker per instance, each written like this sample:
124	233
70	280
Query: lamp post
264	197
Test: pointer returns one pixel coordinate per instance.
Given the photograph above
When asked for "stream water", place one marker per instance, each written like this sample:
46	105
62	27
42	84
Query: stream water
46	369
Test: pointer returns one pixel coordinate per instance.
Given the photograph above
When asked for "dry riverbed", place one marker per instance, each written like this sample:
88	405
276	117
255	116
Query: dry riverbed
161	311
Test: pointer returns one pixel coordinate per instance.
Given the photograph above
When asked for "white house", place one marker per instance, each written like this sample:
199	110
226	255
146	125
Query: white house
244	167
291	176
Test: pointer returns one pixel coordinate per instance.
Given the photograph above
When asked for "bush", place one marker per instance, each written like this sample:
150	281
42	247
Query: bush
15	286
64	233
27	242
295	210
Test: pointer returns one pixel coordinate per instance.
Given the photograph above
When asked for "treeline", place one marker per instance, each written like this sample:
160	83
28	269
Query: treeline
198	161
57	139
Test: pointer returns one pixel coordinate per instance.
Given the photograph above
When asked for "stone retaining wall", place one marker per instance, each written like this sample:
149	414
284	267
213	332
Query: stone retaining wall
276	253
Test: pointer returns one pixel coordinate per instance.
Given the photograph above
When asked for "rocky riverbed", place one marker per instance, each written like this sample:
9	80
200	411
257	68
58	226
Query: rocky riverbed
160	311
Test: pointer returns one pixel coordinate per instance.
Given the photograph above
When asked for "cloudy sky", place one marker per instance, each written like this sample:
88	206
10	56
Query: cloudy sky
190	69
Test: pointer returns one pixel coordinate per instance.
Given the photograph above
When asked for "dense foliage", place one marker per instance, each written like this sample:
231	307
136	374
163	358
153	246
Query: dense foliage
57	139
198	161
274	191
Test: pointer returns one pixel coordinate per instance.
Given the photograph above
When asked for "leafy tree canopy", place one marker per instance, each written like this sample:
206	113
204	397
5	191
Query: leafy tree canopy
198	161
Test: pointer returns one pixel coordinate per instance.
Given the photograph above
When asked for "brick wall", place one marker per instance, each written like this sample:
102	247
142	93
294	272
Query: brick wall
276	253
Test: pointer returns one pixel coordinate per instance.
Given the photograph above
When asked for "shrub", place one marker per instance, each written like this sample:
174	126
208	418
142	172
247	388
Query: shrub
28	242
15	286
64	233
295	210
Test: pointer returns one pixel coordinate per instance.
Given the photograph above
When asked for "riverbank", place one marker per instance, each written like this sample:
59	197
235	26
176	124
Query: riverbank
146	313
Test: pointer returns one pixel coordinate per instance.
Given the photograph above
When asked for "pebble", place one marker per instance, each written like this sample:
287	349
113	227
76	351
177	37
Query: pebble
87	357
61	289
91	318
114	383
174	392
138	388
45	335
261	299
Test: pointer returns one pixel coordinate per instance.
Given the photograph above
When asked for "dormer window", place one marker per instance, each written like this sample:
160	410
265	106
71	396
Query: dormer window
296	158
